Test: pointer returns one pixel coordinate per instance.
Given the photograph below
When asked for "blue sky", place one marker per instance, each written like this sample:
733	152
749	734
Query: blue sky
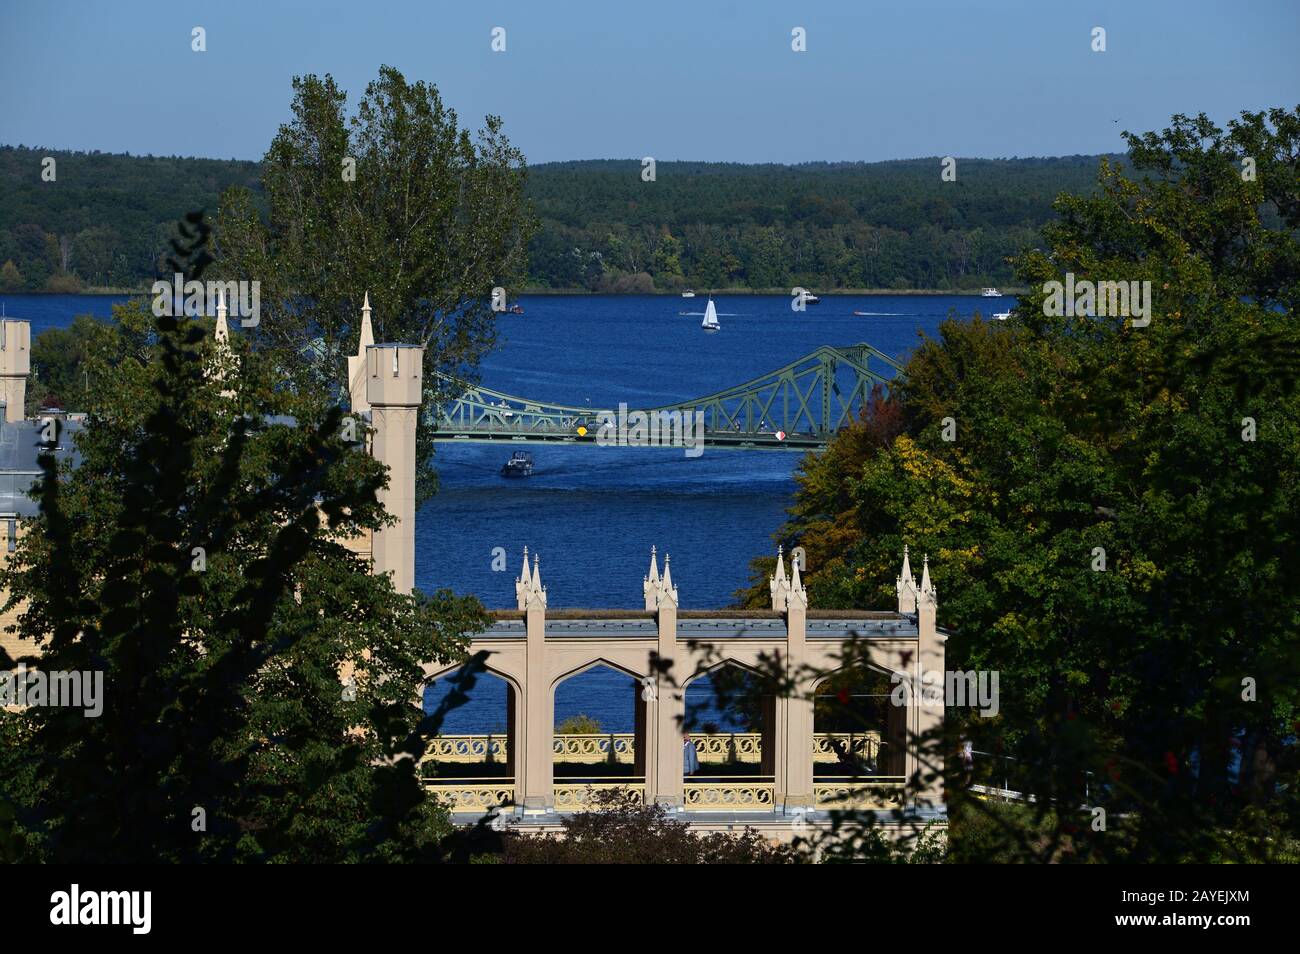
706	80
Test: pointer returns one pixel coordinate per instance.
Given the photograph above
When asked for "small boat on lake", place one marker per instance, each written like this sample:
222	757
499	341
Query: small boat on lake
710	313
1001	316
688	294
520	464
710	322
991	293
516	309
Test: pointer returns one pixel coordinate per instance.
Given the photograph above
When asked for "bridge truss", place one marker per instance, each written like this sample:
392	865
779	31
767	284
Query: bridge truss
798	407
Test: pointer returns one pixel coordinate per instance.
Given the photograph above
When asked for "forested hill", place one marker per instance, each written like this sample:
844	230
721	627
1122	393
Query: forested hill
821	225
105	219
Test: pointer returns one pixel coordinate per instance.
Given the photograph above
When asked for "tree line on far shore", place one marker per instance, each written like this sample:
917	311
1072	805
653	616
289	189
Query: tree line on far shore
105	221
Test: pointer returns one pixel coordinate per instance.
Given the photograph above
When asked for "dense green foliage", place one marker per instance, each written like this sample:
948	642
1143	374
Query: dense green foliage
60	362
824	226
397	202
196	558
620	830
1163	683
580	724
708	225
63	360
105	220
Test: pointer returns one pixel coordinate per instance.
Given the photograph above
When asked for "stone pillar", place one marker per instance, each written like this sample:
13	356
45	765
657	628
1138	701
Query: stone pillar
640	736
895	755
668	711
512	736
773	755
931	662
796	762
538	762
394	390
15	363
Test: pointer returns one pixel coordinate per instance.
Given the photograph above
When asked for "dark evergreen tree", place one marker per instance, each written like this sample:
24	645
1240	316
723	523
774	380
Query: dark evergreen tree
196	558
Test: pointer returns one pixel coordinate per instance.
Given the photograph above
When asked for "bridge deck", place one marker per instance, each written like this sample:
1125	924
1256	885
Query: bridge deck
798	407
723	441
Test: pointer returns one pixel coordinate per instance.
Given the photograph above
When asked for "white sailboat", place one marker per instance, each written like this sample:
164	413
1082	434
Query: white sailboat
711	315
710	322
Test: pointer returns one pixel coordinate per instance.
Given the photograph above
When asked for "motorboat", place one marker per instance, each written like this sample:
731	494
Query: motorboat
520	464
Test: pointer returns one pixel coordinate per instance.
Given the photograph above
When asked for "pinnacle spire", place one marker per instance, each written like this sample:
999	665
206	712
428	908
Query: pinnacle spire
357	363
367	330
779	585
905	585
927	599
665	593
797	594
528	588
223	329
523	585
650	584
222	337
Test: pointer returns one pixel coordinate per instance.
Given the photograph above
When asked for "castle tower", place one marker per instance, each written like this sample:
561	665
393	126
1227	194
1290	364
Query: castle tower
394	392
15	363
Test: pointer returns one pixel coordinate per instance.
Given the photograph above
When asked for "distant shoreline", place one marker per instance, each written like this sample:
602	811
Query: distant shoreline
784	292
98	292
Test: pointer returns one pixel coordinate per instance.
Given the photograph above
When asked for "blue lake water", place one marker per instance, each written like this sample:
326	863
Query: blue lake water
592	513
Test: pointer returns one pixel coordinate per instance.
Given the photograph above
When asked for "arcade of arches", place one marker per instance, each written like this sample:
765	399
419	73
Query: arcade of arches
835	741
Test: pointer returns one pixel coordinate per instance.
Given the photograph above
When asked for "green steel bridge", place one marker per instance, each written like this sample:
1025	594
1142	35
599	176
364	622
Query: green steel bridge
798	407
